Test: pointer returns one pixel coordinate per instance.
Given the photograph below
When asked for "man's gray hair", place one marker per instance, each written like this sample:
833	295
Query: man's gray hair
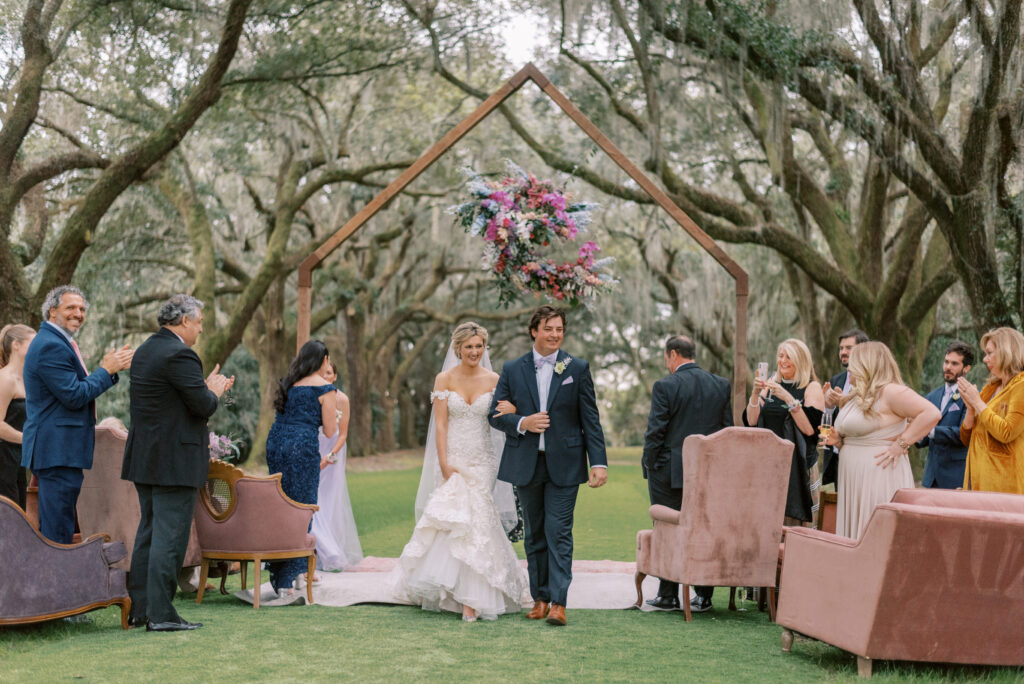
52	300
177	307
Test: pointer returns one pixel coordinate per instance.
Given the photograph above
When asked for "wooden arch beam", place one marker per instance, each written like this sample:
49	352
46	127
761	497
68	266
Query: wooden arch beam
532	73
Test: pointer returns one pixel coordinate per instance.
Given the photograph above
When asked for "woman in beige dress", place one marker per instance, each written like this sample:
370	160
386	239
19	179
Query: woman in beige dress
881	418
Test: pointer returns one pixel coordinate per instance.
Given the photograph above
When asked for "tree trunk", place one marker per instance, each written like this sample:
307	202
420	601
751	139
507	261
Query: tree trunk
273	354
360	427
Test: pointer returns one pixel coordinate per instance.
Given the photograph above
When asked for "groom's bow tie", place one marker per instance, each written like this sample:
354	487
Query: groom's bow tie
539	361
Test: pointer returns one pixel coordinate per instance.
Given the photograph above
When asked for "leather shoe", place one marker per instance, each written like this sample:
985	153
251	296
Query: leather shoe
556	616
539	611
180	626
700	605
664	603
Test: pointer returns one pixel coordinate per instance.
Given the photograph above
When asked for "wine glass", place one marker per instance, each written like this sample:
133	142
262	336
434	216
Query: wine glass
825	428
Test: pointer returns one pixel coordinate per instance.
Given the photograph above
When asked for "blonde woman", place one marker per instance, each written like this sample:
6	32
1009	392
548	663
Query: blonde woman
881	418
459	558
789	403
14	341
993	427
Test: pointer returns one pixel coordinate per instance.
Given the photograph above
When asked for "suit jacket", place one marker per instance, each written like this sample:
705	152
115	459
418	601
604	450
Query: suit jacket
690	401
60	403
574	436
167	442
947	455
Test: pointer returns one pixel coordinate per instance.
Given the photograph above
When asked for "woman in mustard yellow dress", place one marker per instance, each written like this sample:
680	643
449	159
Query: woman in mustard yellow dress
993	426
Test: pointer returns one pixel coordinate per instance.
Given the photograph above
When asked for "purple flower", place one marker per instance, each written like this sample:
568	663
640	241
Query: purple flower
554	199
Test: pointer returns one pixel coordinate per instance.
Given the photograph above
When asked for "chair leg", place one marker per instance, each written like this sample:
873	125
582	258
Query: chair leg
639	579
257	585
203	573
686	602
126	609
864	667
732	598
242	566
310	569
787	640
773	603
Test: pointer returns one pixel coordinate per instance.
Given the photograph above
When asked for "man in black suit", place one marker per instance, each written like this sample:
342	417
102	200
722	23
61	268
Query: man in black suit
167	456
834	391
689	401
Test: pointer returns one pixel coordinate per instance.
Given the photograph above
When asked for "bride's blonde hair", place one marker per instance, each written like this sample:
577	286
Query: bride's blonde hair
464	331
873	367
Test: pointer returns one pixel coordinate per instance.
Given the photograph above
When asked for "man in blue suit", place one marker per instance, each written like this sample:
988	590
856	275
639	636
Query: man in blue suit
60	407
549	440
947	455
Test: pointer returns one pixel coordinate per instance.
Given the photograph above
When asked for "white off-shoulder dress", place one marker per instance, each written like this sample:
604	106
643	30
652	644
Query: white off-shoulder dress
459	553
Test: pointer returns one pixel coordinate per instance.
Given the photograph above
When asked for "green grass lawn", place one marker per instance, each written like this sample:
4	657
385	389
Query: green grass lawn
403	644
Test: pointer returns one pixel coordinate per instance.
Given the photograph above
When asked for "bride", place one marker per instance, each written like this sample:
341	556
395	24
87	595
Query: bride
459	557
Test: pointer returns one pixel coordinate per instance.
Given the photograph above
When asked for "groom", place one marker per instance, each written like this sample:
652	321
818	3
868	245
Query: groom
548	441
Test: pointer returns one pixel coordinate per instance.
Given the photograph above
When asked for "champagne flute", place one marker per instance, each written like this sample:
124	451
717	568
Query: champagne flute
825	428
762	375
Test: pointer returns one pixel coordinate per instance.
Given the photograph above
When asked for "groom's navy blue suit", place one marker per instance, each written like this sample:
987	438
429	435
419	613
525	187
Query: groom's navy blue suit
548	481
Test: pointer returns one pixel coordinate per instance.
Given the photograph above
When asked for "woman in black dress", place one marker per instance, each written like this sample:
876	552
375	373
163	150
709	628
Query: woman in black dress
14	341
789	403
305	402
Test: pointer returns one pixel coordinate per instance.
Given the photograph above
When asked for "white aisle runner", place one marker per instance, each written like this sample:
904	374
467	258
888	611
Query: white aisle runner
605	585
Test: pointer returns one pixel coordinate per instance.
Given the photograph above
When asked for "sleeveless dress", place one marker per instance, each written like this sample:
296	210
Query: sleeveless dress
334	526
776	417
293	449
459	553
863	484
12	475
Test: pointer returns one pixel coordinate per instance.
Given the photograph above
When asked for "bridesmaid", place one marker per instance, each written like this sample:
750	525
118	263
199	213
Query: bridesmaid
14	341
305	402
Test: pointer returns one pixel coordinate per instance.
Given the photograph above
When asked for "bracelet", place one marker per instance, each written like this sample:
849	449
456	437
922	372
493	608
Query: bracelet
794	406
903	445
754	404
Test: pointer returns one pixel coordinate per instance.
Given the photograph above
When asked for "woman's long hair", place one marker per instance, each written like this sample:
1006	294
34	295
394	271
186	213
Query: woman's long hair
308	361
873	367
800	356
15	332
1009	345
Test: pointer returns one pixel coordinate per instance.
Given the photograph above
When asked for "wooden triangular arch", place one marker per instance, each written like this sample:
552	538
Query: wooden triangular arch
532	73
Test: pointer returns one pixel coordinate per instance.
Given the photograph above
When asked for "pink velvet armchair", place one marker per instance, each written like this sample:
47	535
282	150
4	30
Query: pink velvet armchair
248	518
727	533
938	576
42	580
109	505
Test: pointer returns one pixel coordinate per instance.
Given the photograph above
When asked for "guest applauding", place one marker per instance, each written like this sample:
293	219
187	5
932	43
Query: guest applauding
994	425
874	431
790	404
305	402
60	408
14	341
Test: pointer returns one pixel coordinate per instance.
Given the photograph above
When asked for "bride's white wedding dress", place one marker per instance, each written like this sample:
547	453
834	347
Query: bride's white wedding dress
459	553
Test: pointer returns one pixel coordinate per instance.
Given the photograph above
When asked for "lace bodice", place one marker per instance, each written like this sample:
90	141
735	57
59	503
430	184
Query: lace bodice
469	436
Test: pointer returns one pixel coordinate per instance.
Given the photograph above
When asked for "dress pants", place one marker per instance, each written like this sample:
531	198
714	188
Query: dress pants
58	495
160	545
659	486
548	512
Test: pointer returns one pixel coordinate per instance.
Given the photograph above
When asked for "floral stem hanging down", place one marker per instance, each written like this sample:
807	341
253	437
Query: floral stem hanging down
517	217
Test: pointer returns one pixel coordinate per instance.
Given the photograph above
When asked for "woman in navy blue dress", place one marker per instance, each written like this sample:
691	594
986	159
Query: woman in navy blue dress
305	401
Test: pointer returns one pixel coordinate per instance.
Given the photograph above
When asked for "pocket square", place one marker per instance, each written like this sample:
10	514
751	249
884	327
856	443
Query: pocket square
567	381
954	407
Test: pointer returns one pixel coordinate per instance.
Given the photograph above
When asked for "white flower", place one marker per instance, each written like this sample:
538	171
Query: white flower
562	365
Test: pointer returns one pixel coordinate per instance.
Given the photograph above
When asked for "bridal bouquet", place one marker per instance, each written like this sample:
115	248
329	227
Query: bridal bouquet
517	217
224	448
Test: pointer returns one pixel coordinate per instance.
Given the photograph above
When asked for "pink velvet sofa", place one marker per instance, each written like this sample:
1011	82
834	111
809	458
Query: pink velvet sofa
727	533
938	576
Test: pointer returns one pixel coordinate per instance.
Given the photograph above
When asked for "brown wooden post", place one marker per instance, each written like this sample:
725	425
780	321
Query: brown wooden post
531	73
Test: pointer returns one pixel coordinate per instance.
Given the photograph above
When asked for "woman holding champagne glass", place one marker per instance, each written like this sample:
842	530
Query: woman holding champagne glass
790	404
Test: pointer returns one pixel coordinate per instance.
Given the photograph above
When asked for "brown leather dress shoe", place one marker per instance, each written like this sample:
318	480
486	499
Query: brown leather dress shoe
556	616
539	611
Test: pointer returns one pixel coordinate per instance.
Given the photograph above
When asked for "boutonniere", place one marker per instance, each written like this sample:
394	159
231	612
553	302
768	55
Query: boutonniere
955	396
562	365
